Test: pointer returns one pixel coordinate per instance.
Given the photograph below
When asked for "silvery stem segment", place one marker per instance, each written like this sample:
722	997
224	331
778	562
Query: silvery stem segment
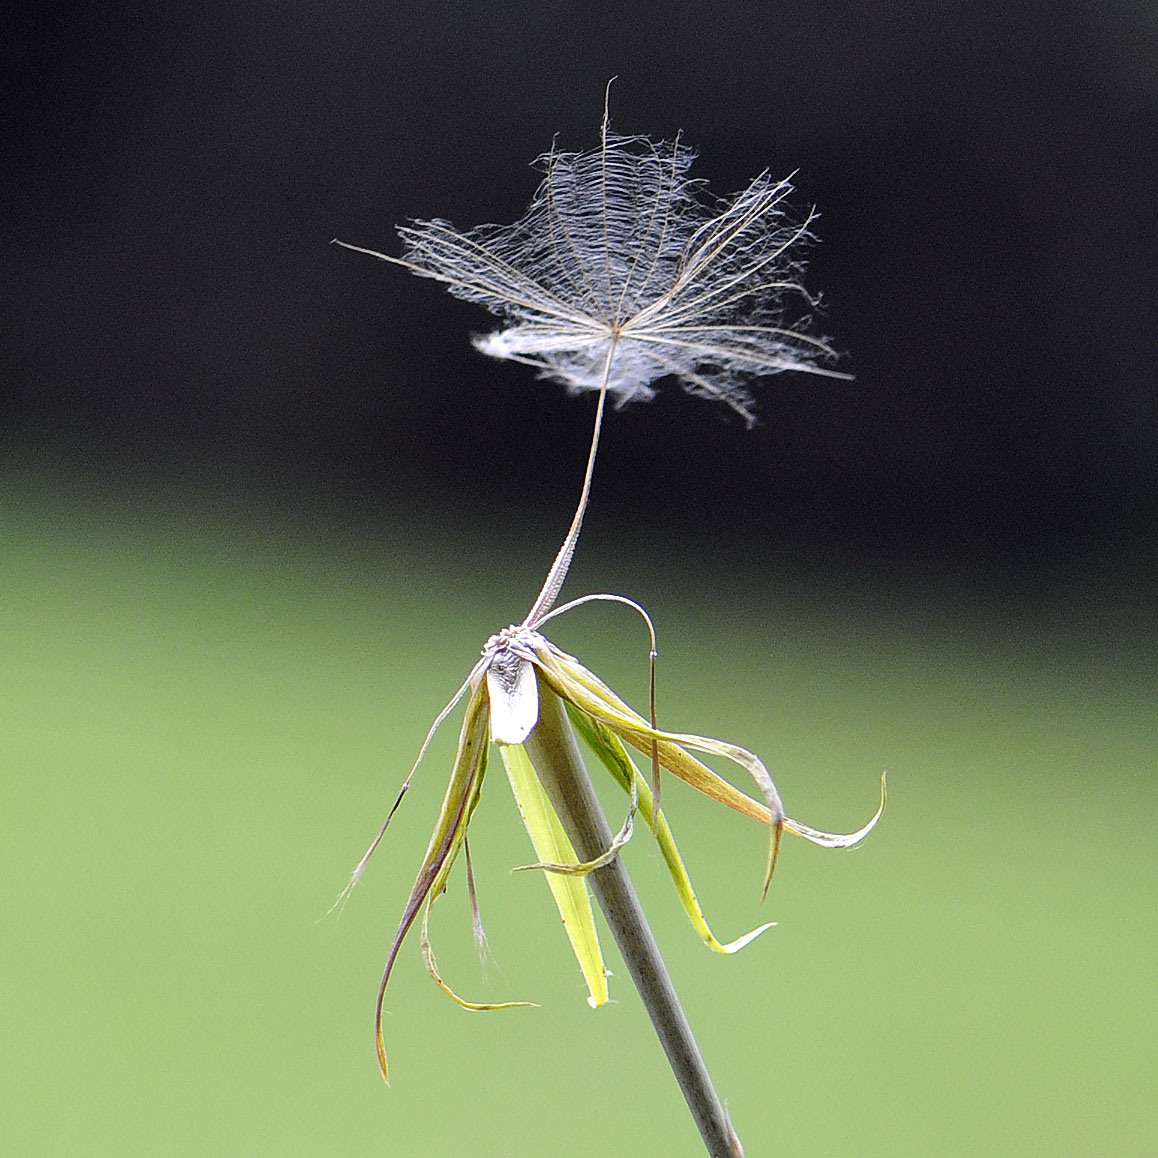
554	581
554	752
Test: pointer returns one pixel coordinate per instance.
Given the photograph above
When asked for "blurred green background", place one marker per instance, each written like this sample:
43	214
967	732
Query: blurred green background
209	703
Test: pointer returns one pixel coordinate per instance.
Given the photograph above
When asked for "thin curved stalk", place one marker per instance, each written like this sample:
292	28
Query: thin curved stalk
554	581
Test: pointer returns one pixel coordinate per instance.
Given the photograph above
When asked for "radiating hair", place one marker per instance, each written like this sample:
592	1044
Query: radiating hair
625	270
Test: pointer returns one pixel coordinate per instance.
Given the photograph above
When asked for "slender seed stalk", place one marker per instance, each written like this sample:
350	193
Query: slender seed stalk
553	584
554	752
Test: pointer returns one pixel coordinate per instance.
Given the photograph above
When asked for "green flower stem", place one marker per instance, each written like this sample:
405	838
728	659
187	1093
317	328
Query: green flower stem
555	755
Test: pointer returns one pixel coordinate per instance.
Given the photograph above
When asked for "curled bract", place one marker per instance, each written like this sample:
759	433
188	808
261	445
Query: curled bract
502	706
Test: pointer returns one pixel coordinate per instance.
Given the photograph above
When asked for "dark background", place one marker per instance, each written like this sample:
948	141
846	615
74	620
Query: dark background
988	184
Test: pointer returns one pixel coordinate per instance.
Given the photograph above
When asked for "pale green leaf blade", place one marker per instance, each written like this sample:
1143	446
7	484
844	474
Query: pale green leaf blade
583	868
449	832
576	685
552	845
615	758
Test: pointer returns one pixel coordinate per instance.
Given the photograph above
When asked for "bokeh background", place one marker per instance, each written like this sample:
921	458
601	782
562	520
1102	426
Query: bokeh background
261	503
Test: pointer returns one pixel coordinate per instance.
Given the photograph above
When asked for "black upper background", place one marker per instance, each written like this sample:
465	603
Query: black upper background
987	180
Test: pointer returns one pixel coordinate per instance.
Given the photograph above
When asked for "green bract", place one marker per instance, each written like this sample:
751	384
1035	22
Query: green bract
503	707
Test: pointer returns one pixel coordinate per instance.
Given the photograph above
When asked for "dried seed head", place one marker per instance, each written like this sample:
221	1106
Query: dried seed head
624	271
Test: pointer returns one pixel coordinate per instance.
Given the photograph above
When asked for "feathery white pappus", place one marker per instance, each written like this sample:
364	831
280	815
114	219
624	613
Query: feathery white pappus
625	270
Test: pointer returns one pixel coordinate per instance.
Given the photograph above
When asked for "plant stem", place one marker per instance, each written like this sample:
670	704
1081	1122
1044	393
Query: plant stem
553	584
555	755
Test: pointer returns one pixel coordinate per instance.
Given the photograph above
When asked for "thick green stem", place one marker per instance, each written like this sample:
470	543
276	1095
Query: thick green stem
555	755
